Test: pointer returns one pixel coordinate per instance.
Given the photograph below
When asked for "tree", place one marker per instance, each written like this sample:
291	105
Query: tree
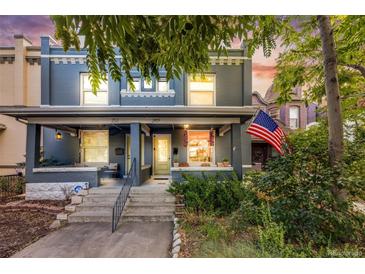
325	55
177	43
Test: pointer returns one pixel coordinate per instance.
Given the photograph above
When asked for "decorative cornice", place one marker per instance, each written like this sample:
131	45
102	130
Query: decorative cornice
33	60
7	59
81	59
125	93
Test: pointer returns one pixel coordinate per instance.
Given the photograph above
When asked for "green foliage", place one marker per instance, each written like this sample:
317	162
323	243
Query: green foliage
210	194
177	43
298	187
301	63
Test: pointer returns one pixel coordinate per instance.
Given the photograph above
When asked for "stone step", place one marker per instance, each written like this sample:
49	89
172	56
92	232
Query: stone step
105	190
90	217
138	217
99	198
94	207
148	211
152	199
149	190
151	204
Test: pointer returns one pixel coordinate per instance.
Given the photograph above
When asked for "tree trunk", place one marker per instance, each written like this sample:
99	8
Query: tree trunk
335	138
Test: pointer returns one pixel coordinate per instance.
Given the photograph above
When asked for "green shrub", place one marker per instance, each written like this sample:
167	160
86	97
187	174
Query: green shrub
298	187
210	194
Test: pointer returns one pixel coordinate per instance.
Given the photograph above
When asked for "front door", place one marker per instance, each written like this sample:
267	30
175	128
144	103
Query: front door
161	154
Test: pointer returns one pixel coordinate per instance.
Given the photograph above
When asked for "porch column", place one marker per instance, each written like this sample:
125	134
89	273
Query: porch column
246	145
241	149
136	149
33	143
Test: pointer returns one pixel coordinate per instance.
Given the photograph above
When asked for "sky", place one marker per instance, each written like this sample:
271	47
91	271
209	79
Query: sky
35	26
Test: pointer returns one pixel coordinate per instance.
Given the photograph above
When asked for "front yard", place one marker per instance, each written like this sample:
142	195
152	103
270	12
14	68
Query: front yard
22	223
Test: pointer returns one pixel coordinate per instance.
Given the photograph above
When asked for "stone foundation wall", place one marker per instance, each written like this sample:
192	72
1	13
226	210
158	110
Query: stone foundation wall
51	191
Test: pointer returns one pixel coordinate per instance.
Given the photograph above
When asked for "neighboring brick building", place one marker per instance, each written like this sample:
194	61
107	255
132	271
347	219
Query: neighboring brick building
291	116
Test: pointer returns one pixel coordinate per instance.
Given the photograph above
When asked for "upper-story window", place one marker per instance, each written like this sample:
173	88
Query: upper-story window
87	95
162	85
201	90
294	117
136	83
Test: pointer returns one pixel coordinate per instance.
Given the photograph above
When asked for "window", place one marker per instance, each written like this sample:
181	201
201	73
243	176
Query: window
136	83
199	148
95	146
294	117
147	84
162	85
201	90
88	97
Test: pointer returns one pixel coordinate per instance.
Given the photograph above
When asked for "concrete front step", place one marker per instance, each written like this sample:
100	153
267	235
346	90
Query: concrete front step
99	199
94	207
148	211
105	190
143	217
90	216
153	199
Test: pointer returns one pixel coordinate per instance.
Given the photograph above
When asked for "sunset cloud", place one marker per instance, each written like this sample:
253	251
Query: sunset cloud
35	26
263	71
31	26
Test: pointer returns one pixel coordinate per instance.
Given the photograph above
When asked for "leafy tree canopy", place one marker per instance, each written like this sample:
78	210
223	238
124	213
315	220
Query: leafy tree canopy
177	43
301	63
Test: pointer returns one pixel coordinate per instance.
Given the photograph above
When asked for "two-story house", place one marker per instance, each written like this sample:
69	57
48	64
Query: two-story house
20	81
164	128
290	116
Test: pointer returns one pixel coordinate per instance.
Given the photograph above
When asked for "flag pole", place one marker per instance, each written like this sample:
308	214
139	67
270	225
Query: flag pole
254	117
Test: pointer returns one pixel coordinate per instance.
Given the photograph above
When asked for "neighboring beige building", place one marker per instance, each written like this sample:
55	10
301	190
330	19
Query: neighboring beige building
20	85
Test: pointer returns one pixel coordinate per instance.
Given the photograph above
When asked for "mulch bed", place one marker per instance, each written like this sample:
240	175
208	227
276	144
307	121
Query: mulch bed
24	222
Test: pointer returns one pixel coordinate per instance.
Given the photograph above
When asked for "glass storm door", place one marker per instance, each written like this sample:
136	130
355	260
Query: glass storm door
161	154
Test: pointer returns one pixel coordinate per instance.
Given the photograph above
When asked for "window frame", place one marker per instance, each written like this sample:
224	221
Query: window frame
298	119
140	85
82	148
214	91
82	91
163	79
192	163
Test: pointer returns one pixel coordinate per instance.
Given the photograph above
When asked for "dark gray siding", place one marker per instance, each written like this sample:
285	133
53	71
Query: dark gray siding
65	151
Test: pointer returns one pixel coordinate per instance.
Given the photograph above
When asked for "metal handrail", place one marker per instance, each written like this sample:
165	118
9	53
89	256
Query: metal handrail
123	195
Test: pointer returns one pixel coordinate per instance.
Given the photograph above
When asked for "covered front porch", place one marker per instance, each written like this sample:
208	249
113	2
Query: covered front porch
75	148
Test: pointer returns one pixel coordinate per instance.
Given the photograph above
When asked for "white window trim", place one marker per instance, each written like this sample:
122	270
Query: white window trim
214	90
82	152
82	103
188	147
298	119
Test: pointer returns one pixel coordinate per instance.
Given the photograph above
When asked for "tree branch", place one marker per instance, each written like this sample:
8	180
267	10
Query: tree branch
359	68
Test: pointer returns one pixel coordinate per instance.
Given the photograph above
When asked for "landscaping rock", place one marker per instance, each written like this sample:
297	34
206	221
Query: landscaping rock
70	208
176	236
76	200
175	250
62	216
56	224
176	255
177	243
83	192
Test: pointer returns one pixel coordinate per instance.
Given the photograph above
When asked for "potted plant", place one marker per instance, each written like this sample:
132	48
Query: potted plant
176	160
225	162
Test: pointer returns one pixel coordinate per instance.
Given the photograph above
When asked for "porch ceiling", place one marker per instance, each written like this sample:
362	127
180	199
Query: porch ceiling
84	115
126	111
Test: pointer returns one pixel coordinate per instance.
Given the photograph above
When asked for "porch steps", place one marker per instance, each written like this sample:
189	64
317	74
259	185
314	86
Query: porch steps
149	203
97	206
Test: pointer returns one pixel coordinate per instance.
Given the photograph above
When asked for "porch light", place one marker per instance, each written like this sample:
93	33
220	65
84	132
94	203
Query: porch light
186	126
59	136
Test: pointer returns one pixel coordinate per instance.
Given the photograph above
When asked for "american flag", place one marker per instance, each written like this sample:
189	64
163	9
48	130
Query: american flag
264	127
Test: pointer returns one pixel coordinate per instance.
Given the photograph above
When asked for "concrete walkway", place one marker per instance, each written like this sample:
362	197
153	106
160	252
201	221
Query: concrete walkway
95	240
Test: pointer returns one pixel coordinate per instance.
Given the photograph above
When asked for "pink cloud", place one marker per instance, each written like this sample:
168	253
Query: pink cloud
31	26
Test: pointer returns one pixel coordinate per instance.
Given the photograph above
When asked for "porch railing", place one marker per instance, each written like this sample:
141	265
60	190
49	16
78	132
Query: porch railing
11	185
123	195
